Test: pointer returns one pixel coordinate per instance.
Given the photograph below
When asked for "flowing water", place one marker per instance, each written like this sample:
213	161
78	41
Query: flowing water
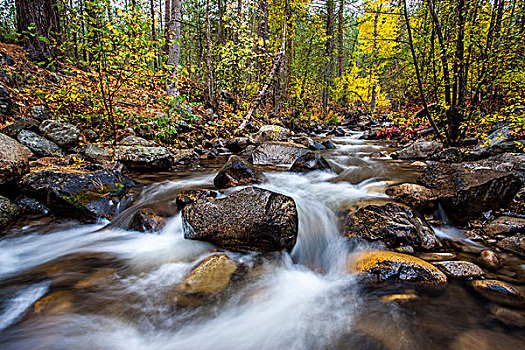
66	285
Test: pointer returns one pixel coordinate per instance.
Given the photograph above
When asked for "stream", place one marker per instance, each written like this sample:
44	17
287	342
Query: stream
68	285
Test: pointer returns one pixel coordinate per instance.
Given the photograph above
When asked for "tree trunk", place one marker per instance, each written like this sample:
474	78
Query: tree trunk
416	66
172	87
340	36
328	53
153	34
209	67
38	19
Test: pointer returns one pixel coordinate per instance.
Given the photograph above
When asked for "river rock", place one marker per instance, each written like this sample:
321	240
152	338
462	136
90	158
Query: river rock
383	266
237	144
275	153
148	220
514	244
186	197
8	212
237	172
270	133
392	224
90	195
415	196
136	141
14	162
39	145
460	269
489	259
328	144
31	206
41	112
310	162
436	256
252	219
210	277
499	292
144	158
450	155
63	134
12	130
95	153
504	225
466	193
419	150
5	101
485	147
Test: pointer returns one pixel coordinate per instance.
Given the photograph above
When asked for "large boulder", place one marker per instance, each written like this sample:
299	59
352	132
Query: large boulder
270	133
252	219
8	212
13	160
63	134
415	196
237	172
418	150
39	145
384	267
275	153
144	158
466	192
12	130
310	162
392	224
90	195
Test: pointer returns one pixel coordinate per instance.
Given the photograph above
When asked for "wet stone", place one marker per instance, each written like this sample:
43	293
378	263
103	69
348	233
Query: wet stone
459	269
436	256
237	172
186	197
511	318
499	292
384	267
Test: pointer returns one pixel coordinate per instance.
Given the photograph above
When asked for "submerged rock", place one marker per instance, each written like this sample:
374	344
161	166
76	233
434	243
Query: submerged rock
499	292
31	206
460	269
13	160
310	162
210	277
148	220
383	266
90	195
508	317
63	134
275	153
466	193
252	219
237	172
391	224
415	196
144	158
270	133
419	150
39	145
436	256
8	212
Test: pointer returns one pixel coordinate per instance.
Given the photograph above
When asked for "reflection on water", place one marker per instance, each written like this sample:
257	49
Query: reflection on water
103	287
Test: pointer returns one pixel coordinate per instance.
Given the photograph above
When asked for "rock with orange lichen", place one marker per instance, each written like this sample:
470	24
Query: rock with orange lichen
383	266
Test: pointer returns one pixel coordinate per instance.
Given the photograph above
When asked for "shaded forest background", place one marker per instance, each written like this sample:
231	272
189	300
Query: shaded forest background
457	67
